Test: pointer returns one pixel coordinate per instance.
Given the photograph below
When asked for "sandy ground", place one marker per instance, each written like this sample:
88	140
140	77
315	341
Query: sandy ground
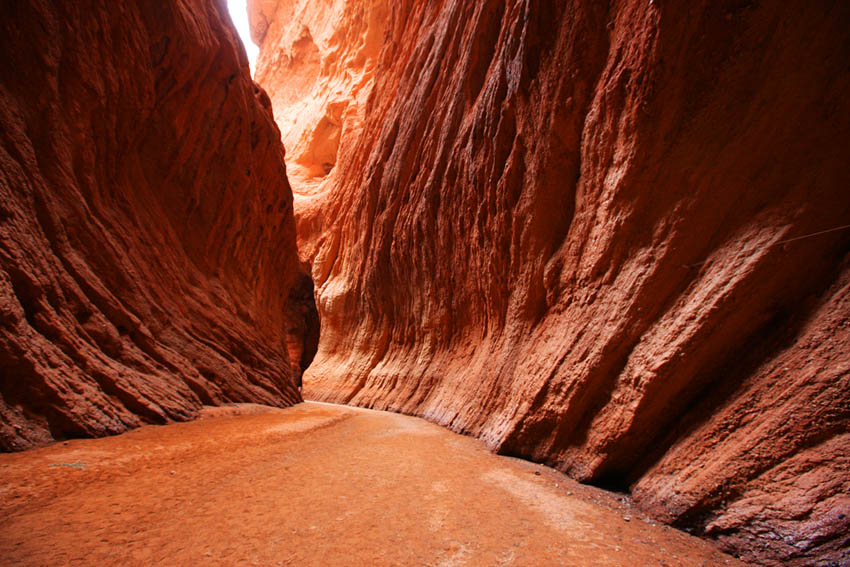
315	484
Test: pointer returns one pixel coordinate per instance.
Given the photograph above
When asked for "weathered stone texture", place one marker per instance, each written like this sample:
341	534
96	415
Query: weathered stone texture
147	243
579	230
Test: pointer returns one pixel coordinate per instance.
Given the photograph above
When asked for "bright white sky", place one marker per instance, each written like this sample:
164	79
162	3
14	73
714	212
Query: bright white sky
239	15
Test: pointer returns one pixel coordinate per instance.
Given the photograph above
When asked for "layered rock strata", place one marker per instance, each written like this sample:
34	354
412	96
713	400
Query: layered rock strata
603	236
147	245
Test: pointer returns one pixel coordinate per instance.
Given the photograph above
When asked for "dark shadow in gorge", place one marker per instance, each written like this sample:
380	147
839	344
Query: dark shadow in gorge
302	336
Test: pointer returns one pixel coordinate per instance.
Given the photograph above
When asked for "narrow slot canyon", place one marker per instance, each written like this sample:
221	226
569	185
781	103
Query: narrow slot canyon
483	282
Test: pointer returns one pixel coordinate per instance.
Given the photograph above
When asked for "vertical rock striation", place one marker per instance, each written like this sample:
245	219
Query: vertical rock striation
597	235
147	245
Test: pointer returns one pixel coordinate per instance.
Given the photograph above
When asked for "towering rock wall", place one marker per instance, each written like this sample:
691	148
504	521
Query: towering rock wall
147	245
592	234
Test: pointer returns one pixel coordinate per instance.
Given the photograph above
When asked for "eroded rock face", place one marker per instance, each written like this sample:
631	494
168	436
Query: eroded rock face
331	62
581	233
147	245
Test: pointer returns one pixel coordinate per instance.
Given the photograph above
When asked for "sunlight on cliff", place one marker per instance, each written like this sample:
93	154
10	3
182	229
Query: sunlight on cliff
239	14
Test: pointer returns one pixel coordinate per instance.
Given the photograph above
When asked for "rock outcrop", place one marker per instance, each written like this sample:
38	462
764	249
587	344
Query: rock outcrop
331	62
147	243
603	236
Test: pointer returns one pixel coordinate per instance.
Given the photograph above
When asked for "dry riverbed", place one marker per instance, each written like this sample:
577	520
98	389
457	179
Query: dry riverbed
315	484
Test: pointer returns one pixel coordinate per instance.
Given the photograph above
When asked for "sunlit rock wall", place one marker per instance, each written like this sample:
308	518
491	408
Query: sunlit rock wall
592	234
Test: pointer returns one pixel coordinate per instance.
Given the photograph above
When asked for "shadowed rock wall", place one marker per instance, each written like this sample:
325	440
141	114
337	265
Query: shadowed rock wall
147	245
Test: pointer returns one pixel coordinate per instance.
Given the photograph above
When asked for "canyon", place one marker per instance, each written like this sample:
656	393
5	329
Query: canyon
608	237
611	238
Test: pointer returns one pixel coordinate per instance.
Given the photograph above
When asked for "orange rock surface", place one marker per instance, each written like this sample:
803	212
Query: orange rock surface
330	62
605	237
147	245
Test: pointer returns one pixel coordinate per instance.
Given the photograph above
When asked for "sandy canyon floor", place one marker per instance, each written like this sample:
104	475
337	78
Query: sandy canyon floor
315	484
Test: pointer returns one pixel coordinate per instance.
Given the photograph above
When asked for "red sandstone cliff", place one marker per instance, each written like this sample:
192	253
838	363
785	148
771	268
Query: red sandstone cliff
578	230
147	243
